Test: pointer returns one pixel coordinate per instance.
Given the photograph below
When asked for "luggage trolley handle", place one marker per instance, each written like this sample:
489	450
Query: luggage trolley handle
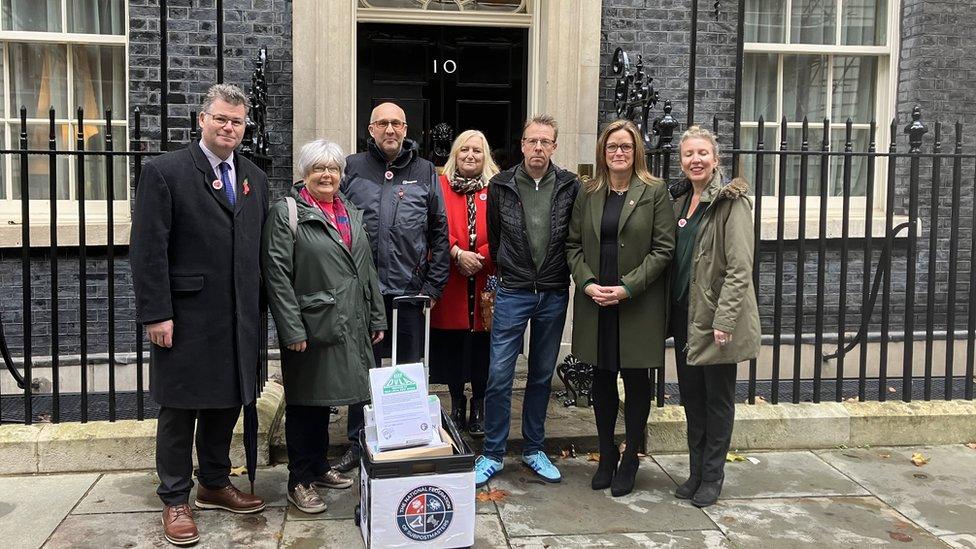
409	299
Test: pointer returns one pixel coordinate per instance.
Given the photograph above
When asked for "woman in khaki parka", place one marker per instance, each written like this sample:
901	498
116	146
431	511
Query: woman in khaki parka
621	237
326	302
714	316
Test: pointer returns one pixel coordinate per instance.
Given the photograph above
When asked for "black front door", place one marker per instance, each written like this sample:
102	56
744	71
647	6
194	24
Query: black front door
447	79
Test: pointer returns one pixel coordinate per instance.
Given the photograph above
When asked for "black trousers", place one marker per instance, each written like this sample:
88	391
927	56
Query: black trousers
708	397
174	444
307	439
410	348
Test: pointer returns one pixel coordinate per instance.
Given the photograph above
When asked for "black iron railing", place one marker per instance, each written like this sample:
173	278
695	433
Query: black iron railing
51	406
820	293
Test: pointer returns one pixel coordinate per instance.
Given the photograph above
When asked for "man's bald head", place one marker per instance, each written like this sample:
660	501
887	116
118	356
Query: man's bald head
388	127
387	111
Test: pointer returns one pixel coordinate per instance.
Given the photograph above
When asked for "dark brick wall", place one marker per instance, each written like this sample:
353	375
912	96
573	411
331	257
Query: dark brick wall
191	49
935	71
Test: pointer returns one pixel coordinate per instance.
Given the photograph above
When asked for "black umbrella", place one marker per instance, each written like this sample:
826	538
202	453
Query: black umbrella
251	439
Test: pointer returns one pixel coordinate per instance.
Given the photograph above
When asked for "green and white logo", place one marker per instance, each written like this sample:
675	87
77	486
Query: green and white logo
399	383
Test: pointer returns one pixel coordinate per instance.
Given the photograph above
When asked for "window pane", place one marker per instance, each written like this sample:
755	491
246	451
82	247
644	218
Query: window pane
32	15
793	162
813	21
748	160
805	87
765	20
3	164
759	86
859	164
855	88
38	79
99	79
95	166
864	22
96	16
38	166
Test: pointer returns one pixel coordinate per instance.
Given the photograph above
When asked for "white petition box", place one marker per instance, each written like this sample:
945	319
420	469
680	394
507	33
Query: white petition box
419	502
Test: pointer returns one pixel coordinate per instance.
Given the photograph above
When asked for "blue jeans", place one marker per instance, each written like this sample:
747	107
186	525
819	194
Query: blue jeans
514	309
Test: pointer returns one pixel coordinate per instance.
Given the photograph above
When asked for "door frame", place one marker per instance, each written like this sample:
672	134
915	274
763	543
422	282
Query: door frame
563	66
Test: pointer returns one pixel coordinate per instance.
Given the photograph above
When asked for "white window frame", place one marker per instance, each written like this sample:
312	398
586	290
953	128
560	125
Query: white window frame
885	109
96	210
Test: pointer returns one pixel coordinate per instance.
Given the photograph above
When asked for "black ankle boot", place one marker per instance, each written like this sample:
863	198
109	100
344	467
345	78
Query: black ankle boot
605	470
626	476
707	494
476	421
458	409
688	489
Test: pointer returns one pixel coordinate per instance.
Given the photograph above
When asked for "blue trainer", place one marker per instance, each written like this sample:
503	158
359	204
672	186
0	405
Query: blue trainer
485	468
540	464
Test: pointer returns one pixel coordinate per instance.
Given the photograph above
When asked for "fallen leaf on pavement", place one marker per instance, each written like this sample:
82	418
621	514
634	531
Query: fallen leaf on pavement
732	457
593	456
238	471
971	445
918	459
568	452
492	495
884	456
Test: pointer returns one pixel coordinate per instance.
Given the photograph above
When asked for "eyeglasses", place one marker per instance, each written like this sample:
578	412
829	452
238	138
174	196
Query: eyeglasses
221	120
319	169
383	124
545	143
623	147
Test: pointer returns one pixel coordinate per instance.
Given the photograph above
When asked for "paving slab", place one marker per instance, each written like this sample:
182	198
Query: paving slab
535	508
344	533
136	491
704	539
836	522
960	541
218	529
776	475
31	507
939	496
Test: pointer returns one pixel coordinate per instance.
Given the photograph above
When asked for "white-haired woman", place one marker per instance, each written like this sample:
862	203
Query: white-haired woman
324	295
459	336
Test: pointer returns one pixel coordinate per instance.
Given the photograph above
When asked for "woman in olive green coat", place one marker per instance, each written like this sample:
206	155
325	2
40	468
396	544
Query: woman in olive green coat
324	295
620	242
714	315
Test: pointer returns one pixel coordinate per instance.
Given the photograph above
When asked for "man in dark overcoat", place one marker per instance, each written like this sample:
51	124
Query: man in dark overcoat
194	253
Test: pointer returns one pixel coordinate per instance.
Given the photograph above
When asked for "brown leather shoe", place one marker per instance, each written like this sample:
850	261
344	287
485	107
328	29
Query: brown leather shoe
228	498
178	525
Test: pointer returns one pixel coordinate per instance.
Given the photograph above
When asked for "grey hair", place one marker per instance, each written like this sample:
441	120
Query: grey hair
227	93
542	119
320	151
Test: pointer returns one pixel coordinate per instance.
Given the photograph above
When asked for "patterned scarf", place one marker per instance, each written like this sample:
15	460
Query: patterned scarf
468	187
336	214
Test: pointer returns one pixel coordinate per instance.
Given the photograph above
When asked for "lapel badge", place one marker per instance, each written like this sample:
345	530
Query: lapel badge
483	196
247	188
682	222
631	202
217	184
388	175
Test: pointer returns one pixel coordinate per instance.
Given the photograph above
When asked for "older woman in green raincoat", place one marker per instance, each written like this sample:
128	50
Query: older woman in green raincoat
714	316
324	295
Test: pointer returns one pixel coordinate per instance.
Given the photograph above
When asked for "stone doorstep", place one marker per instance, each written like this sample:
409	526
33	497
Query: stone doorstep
120	445
828	425
102	446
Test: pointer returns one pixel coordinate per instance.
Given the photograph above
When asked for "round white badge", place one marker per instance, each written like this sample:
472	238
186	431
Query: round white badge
682	222
388	175
217	184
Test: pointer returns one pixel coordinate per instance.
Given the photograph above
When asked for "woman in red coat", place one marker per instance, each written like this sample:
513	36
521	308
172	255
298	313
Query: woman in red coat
459	338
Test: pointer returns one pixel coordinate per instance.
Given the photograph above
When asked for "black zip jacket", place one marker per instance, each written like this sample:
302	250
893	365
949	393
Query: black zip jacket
508	243
404	217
